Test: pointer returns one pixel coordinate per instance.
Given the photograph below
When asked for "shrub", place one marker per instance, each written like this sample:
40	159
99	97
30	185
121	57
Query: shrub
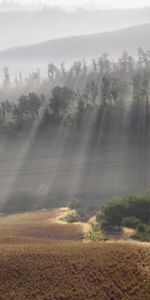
84	216
112	213
95	233
126	211
72	218
143	233
130	222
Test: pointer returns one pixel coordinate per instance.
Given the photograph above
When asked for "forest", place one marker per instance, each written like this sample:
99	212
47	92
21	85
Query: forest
112	98
89	121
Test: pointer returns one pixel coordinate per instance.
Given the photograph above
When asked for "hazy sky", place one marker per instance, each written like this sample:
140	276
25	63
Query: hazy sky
89	3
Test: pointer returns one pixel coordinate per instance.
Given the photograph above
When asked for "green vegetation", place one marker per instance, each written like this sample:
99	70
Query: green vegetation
131	211
95	234
143	233
130	222
79	215
97	109
72	218
105	90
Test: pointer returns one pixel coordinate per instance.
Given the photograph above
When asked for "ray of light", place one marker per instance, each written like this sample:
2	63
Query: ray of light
23	151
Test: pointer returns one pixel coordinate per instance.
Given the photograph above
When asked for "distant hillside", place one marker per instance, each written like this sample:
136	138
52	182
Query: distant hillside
19	28
72	48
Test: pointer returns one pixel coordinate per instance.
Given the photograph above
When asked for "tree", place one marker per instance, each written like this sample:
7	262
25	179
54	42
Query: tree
91	91
6	110
27	110
104	64
52	71
80	112
94	64
6	77
60	101
77	67
63	69
126	63
85	68
140	107
134	207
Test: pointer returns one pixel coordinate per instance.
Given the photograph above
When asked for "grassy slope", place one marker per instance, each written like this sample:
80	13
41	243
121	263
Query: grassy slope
38	225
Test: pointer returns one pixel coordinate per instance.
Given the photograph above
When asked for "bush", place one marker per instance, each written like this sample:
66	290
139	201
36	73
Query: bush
127	211
95	234
143	233
112	213
84	216
72	218
142	228
130	222
113	229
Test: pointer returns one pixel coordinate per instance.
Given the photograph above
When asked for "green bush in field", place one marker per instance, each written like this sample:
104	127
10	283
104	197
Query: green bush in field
142	233
72	218
95	233
130	211
130	222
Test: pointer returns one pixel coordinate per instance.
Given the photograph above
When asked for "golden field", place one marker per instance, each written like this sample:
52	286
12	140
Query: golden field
43	259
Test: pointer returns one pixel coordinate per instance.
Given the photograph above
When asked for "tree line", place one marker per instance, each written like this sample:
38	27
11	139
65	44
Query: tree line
113	97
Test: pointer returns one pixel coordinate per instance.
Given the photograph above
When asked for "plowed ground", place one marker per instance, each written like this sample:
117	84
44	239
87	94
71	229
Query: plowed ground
43	269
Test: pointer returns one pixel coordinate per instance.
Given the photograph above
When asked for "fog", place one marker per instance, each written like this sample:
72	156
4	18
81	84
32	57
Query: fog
24	27
74	121
38	36
74	4
73	134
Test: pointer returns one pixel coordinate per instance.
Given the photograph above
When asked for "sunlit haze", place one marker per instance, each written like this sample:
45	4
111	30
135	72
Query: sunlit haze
86	3
74	149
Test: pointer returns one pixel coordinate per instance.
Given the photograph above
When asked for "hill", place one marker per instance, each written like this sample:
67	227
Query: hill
74	48
22	27
45	225
42	258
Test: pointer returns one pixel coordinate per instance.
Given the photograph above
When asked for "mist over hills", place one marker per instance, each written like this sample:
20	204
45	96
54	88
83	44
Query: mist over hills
22	27
39	55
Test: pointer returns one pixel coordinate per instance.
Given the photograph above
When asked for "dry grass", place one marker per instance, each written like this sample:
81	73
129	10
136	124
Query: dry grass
38	225
35	268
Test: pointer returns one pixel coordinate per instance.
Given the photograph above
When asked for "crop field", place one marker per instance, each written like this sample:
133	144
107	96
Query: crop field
67	271
39	225
33	267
